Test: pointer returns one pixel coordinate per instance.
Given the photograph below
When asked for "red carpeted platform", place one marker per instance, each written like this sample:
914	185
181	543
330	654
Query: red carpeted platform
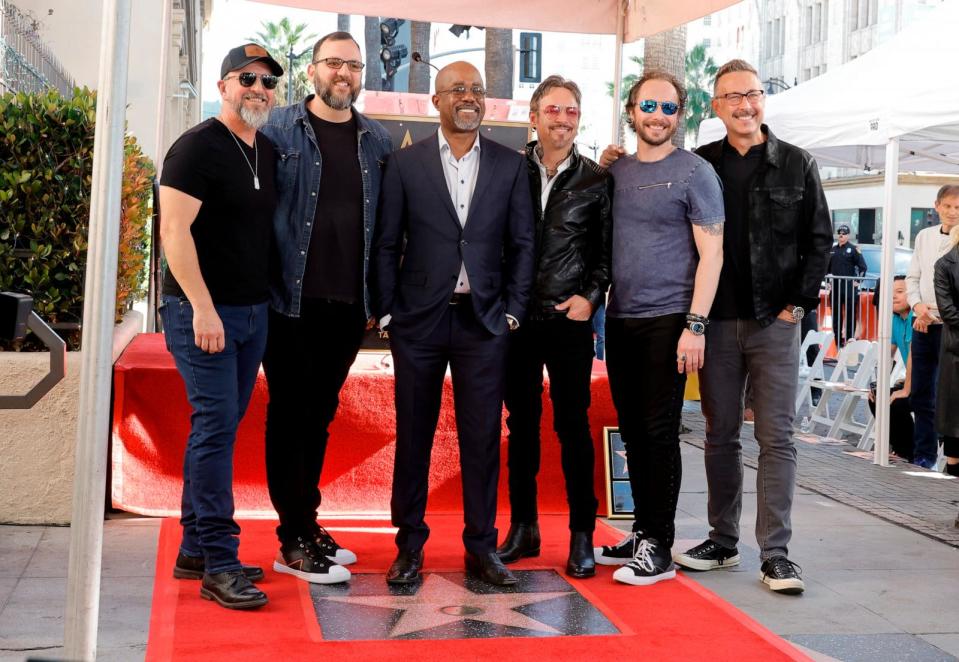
672	620
151	423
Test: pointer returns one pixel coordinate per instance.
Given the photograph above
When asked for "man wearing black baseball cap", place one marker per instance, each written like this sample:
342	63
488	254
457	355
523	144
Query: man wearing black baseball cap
217	199
847	262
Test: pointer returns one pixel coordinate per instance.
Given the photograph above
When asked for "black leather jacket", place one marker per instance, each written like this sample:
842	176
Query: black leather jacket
790	232
572	235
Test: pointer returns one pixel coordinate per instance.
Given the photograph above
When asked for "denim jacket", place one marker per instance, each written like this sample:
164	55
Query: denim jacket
298	183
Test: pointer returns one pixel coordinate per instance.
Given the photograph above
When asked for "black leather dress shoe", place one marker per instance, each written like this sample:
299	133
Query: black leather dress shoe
489	568
522	541
406	568
193	567
232	590
581	562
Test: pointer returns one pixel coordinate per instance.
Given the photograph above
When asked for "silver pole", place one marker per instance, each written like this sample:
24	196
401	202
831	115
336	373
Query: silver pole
618	67
891	175
164	56
86	531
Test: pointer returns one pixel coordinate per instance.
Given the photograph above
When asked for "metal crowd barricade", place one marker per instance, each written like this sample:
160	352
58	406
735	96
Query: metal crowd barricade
847	308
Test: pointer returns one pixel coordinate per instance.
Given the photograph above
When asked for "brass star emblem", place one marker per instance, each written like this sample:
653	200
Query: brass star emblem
440	602
622	454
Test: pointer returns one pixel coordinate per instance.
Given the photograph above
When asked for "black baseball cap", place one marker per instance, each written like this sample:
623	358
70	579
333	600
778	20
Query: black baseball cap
842	229
243	55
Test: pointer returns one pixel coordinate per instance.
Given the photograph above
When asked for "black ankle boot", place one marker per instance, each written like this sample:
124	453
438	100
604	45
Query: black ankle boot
581	561
521	541
952	469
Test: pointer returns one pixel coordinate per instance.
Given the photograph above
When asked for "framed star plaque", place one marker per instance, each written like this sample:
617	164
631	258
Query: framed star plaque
619	497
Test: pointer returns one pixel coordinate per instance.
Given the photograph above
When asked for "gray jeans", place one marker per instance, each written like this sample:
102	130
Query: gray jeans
770	356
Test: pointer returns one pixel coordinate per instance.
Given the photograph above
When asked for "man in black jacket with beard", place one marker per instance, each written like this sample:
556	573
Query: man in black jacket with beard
571	198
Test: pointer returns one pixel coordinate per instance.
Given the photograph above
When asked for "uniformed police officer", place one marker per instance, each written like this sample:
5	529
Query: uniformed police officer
845	260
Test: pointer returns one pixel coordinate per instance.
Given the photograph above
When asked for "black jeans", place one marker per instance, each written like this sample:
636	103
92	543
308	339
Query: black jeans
901	427
844	301
307	361
648	395
565	347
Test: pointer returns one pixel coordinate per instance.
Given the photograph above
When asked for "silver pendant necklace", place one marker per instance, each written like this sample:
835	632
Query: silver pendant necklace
256	157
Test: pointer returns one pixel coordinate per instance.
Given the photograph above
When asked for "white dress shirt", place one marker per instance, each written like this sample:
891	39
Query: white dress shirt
546	182
460	182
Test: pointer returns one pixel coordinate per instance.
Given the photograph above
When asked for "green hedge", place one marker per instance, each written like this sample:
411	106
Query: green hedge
46	162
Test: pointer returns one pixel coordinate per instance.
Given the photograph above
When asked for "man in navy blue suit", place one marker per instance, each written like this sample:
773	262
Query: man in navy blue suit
451	271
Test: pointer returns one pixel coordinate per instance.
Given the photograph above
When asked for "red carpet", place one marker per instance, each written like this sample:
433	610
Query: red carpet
673	620
151	424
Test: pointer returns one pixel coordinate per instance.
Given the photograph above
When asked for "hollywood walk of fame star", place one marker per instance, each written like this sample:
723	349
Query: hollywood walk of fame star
440	602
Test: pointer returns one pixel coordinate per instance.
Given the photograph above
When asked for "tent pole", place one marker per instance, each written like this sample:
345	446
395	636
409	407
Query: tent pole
618	67
89	482
891	176
163	57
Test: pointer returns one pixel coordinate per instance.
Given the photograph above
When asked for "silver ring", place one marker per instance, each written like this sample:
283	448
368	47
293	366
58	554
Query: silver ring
681	358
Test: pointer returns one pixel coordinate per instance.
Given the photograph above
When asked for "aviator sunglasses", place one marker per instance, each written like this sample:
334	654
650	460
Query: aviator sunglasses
248	78
553	111
649	106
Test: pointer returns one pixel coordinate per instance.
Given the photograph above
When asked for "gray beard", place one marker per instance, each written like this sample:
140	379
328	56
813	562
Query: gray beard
255	119
337	103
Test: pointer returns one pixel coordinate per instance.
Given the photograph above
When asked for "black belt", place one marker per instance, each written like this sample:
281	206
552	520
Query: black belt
459	297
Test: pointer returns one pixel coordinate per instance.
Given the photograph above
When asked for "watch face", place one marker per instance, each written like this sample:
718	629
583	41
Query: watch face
698	328
798	313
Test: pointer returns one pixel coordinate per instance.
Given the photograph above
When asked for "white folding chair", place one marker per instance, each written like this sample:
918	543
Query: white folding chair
850	378
809	371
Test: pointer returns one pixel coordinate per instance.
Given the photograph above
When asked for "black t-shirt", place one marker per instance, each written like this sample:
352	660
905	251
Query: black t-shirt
233	230
334	263
734	296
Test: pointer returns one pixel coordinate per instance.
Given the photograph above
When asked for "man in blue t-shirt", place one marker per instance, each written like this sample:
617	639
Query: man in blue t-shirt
667	256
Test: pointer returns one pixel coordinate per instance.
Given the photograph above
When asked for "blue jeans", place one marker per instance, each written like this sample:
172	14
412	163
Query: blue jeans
218	387
599	328
925	374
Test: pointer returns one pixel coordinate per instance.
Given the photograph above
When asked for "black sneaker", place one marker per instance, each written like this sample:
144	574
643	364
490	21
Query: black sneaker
650	564
708	555
782	576
332	550
618	554
304	560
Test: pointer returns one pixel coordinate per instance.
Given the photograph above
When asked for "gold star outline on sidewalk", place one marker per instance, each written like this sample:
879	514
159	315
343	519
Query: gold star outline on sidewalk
440	602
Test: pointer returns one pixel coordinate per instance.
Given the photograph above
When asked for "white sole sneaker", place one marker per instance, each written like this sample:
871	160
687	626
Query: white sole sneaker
790	586
337	574
343	557
601	559
704	564
627	576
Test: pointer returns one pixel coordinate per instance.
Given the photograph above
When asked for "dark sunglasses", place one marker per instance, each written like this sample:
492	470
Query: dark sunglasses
248	78
336	63
649	106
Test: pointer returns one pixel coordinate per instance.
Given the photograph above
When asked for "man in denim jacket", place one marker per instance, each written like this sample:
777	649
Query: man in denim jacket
328	178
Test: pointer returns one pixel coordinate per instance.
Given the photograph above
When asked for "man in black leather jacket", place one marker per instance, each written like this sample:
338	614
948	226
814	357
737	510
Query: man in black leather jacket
571	200
776	248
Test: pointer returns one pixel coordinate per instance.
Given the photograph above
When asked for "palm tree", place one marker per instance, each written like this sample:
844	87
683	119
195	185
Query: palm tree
666	51
499	63
280	39
371	38
700	72
628	80
420	43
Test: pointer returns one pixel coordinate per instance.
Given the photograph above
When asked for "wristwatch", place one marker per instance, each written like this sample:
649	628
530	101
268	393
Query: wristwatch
696	324
798	312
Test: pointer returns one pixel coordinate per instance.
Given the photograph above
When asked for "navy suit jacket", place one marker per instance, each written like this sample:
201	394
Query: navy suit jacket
418	243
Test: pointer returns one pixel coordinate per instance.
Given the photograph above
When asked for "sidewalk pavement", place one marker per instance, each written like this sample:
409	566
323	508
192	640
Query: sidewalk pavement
877	547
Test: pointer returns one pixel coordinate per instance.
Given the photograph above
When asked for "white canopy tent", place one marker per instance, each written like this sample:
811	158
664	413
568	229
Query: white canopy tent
894	109
627	19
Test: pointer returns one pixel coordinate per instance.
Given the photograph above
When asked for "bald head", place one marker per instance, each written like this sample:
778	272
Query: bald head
460	98
456	73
